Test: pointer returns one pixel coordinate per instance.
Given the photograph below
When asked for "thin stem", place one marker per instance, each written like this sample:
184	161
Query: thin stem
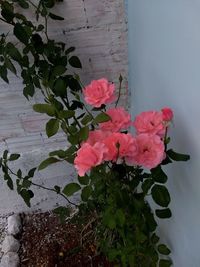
44	187
120	88
53	190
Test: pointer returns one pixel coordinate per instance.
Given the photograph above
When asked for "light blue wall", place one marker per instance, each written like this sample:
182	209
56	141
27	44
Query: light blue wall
164	62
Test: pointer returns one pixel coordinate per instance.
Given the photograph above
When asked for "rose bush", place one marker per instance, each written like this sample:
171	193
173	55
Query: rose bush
116	169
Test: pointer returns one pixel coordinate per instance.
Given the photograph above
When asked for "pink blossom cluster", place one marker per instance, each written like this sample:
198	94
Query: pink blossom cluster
109	143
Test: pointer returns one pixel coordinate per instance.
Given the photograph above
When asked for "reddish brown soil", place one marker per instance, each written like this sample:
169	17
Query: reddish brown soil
48	243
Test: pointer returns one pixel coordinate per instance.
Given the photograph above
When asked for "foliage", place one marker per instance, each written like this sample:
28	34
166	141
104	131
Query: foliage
114	192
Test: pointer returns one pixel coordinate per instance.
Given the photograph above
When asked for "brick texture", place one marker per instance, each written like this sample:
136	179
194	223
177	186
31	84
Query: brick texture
98	29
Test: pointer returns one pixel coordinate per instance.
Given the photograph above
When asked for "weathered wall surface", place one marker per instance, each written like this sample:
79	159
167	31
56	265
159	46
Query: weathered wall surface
98	29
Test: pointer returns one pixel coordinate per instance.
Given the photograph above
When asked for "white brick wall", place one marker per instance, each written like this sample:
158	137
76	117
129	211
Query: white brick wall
98	29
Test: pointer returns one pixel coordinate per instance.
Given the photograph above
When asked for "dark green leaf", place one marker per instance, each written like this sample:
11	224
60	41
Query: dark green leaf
146	185
26	195
59	153
19	174
23	4
21	34
160	195
102	117
165	263
29	90
88	118
4	73
52	127
70	50
155	239
5	154
71	188
74	61
13	52
44	108
84	180
10	66
55	17
14	157
158	175
177	156
86	193
163	214
10	184
66	114
163	249
32	172
59	70
84	133
60	87
47	162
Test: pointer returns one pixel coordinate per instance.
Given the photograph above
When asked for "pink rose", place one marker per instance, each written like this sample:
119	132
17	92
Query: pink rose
96	136
120	146
150	122
120	119
99	92
151	150
167	114
89	156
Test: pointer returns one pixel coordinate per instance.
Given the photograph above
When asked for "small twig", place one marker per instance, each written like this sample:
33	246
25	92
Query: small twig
120	88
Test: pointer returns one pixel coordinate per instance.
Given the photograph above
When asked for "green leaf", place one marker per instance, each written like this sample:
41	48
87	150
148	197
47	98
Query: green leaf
10	184
146	185
87	118
26	183
47	162
59	70
102	117
5	154
86	193
29	90
7	11
52	127
59	153
75	62
21	33
84	180
13	52
163	249
4	73
70	50
155	239
158	175
23	4
71	188
19	174
26	195
14	157
84	133
177	156
66	114
60	87
10	66
165	263
32	172
163	214
160	195
55	17
44	108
